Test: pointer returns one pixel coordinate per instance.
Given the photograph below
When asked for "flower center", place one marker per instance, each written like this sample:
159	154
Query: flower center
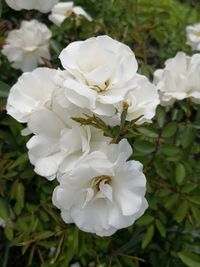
100	89
96	181
100	188
68	13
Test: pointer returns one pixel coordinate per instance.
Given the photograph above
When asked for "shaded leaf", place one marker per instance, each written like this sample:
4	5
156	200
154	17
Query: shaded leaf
161	228
169	130
147	132
181	212
4	88
144	146
145	220
189	258
180	173
148	236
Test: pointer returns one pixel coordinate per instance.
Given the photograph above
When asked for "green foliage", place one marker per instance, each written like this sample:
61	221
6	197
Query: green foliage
168	234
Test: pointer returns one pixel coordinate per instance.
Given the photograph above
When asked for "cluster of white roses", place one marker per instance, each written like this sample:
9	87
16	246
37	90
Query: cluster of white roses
28	47
180	79
99	189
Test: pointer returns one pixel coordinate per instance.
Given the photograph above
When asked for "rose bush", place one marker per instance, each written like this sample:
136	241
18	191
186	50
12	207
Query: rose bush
90	122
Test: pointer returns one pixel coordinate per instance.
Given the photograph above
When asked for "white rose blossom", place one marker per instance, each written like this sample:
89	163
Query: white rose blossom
104	193
32	91
179	79
41	5
141	101
26	46
62	10
193	36
58	143
102	69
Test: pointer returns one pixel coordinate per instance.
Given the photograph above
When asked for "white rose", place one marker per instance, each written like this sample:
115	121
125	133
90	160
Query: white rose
62	10
193	36
26	46
142	100
103	71
32	91
58	143
42	6
179	79
104	192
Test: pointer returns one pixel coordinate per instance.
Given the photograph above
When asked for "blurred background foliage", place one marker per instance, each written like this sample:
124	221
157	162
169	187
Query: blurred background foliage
168	235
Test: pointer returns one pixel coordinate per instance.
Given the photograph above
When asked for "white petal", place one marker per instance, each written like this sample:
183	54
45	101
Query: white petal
45	122
106	189
79	94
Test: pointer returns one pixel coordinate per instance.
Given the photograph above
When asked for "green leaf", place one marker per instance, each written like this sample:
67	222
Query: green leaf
189	258
177	114
169	150
180	173
195	199
160	116
147	132
161	168
56	46
4	88
187	136
19	195
144	146
145	220
181	212
164	192
171	201
44	235
95	122
169	130
196	214
4	209
30	258
20	192
148	236
8	232
188	188
20	160
161	228
25	248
